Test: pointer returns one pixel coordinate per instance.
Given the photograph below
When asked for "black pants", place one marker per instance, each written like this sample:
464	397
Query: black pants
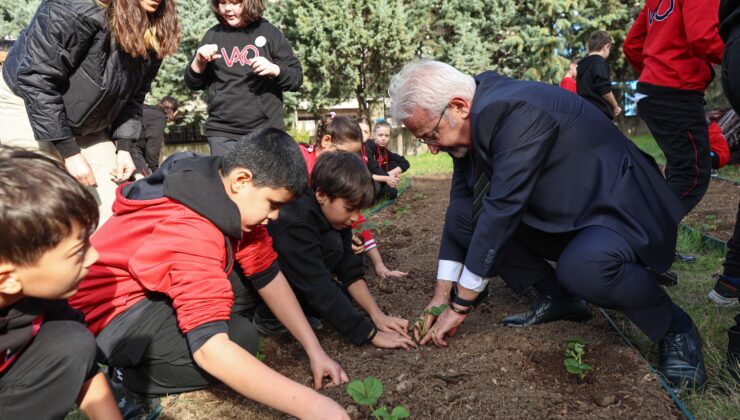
46	379
383	190
221	145
594	263
680	129
156	358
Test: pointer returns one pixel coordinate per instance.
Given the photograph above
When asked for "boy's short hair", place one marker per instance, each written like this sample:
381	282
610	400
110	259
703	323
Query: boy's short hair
40	205
575	60
273	157
599	40
251	10
343	174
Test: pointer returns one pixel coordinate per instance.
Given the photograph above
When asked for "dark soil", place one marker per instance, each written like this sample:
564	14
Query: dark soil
489	371
715	214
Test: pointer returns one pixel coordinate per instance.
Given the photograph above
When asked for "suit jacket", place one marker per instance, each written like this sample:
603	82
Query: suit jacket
559	165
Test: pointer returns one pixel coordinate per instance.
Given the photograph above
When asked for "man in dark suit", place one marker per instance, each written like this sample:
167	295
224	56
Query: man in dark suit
538	176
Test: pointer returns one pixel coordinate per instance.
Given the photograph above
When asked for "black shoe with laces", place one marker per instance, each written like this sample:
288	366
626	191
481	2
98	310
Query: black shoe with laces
681	360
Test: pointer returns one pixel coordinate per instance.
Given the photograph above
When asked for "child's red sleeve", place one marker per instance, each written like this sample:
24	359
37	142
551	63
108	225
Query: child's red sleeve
255	252
365	234
718	144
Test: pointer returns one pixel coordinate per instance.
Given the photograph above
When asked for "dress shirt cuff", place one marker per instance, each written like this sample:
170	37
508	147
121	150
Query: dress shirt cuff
472	281
449	270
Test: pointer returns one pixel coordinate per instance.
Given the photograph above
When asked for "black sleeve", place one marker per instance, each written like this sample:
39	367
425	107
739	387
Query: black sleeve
264	277
298	246
199	81
290	78
600	78
400	161
127	127
202	333
350	269
137	155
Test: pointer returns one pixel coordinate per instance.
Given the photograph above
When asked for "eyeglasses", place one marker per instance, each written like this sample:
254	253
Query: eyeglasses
432	137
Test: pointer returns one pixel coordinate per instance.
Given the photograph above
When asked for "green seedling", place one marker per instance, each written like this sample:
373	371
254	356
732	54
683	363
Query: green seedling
575	350
434	311
366	394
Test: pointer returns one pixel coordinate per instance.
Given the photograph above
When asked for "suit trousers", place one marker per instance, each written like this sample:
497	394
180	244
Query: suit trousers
46	379
594	263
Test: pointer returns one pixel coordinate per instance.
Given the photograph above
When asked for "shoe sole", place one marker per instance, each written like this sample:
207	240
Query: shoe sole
721	300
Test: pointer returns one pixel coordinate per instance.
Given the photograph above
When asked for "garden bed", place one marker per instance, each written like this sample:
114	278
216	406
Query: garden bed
715	214
488	370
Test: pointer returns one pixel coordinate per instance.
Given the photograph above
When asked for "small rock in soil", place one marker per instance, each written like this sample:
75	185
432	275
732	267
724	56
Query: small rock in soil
353	412
404	387
607	401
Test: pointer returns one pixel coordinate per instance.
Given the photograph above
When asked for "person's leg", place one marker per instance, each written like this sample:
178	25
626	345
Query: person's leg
680	130
725	291
221	145
47	377
166	365
100	153
600	266
731	73
152	149
388	192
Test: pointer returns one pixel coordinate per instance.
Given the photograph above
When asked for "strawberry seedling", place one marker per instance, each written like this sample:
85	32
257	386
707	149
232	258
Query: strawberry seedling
575	350
435	311
367	392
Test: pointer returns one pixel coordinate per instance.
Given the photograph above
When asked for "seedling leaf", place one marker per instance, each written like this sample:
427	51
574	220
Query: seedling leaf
400	412
572	366
365	392
381	413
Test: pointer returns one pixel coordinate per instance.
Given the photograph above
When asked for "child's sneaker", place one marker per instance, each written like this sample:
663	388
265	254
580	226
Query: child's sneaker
724	293
133	406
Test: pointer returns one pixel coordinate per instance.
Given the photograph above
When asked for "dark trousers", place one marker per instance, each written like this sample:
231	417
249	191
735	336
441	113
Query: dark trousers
156	358
221	145
46	379
383	190
680	129
594	263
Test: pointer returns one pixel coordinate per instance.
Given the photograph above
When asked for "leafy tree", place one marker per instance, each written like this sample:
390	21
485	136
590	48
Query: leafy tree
14	16
348	48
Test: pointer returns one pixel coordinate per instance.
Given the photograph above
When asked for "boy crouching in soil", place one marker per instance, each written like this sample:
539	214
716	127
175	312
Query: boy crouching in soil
47	355
159	299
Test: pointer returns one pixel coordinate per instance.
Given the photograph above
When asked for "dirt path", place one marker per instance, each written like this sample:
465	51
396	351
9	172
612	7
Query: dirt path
715	214
488	371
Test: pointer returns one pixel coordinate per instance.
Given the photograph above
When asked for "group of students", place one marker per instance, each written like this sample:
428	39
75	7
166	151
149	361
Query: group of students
188	262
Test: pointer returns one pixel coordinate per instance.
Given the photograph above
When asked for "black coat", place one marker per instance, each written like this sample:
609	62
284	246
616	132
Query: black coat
559	165
310	252
74	79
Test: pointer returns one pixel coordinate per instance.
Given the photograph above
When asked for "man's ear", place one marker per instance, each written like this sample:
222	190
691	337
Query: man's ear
9	283
239	178
462	106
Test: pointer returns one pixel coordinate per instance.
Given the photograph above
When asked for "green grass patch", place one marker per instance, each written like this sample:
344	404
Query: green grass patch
721	397
648	145
427	164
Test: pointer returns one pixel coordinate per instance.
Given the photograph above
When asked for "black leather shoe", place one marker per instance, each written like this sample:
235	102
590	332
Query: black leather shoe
681	360
666	278
687	259
546	310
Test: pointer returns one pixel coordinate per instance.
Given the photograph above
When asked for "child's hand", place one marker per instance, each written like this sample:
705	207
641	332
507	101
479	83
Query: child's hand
323	366
393	274
391	180
263	67
395	172
392	340
392	324
358	246
207	53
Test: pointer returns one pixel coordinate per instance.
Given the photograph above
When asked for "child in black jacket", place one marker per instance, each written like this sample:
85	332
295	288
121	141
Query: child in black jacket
313	239
384	165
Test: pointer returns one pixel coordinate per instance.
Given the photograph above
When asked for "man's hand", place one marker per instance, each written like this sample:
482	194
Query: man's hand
79	168
429	319
203	56
392	340
263	67
391	323
124	166
447	324
322	366
358	245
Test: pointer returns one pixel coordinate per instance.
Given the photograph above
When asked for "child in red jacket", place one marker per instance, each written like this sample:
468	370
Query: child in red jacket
672	45
160	299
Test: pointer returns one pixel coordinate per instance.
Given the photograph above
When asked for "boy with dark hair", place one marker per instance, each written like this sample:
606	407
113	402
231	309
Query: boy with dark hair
160	300
672	49
145	151
593	81
46	352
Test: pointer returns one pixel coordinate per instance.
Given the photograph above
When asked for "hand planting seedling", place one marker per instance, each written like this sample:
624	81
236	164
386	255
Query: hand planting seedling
434	311
367	392
575	349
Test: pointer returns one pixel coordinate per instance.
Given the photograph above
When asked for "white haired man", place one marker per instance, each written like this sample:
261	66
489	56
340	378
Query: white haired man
547	177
